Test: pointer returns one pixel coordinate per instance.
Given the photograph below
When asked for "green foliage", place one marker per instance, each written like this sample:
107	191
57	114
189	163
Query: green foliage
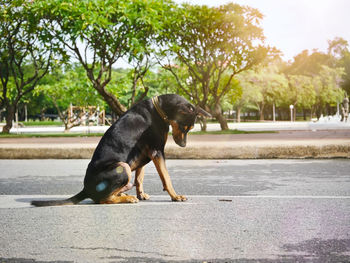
316	78
26	54
233	95
149	85
337	49
316	87
214	56
345	62
66	86
43	123
100	32
308	64
220	34
167	83
261	87
328	89
301	92
211	45
49	135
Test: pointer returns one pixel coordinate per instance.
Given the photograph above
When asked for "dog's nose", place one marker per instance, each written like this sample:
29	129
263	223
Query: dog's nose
182	143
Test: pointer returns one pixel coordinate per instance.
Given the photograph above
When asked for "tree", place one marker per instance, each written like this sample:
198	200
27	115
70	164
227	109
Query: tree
133	85
264	87
300	93
66	87
308	64
166	82
99	33
346	77
25	55
249	91
339	51
229	98
337	48
316	78
233	96
328	90
209	43
39	104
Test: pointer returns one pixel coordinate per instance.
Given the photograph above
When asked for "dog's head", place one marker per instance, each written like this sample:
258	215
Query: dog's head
180	114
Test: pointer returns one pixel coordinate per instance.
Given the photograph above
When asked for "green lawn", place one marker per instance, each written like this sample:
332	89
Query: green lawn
48	135
38	123
42	123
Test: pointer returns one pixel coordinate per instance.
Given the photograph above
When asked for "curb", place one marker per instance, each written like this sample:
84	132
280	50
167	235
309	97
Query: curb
249	151
262	152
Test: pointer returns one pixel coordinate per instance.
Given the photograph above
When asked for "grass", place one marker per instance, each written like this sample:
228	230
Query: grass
49	135
42	123
52	135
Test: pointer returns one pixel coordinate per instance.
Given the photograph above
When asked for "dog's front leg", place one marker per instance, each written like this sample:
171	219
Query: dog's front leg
159	162
139	175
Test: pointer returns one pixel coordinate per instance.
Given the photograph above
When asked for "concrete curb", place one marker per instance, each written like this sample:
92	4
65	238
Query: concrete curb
259	151
229	151
262	152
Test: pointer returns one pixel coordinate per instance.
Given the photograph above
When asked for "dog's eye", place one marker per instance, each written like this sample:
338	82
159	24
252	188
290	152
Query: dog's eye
186	109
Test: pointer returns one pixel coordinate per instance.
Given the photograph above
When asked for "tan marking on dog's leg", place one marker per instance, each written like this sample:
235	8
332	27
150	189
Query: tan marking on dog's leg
139	175
115	197
126	188
120	199
159	162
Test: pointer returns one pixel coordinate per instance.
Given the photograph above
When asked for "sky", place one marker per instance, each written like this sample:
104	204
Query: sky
295	25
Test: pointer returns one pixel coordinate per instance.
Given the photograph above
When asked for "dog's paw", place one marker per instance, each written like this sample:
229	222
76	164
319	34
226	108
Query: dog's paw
143	196
179	198
131	199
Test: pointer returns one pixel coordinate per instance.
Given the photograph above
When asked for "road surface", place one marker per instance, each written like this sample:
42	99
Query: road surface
238	211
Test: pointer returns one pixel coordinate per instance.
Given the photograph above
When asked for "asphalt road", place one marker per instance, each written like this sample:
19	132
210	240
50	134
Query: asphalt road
238	211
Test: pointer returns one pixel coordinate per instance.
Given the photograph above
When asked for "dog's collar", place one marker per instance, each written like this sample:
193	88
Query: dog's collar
161	113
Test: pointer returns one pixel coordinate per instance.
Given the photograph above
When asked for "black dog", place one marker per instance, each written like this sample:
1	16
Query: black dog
138	137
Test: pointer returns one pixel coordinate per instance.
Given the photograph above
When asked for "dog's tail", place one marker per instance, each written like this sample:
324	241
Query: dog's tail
70	201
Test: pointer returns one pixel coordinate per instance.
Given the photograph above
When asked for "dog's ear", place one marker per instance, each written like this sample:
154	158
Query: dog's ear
201	112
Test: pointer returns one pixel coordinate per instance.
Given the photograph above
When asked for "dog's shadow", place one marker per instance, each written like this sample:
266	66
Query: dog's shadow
87	201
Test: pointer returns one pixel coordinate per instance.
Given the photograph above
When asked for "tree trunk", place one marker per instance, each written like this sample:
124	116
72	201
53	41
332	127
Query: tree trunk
261	112
133	89
202	120
261	108
219	117
203	124
42	114
238	114
66	127
9	118
304	114
111	100
223	122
